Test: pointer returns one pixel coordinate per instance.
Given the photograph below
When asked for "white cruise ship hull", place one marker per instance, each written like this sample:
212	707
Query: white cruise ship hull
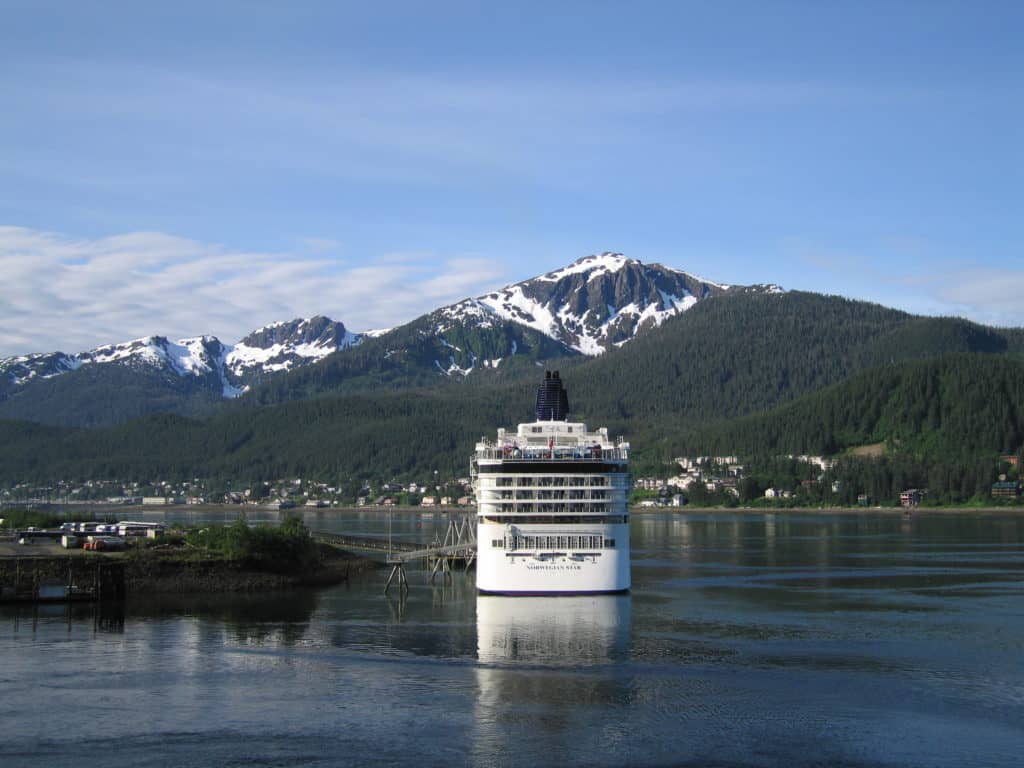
553	570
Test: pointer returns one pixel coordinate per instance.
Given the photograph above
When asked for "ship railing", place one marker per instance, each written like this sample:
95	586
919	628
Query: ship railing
554	453
596	493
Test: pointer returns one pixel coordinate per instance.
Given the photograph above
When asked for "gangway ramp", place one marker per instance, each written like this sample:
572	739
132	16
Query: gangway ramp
457	546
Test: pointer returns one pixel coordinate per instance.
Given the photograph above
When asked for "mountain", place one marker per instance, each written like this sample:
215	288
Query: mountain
117	382
751	352
653	351
596	304
285	345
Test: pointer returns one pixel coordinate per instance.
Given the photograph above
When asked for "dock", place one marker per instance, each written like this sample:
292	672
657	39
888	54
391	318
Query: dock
60	579
458	547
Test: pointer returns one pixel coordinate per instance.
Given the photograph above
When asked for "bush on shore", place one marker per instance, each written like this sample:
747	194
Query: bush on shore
287	546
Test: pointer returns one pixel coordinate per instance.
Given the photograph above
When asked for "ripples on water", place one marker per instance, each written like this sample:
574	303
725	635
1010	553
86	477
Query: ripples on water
748	640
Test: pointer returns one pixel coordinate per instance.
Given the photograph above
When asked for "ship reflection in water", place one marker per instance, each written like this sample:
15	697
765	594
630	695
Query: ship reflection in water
569	631
548	668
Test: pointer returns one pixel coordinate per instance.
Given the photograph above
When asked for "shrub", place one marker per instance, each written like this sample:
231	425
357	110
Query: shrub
286	546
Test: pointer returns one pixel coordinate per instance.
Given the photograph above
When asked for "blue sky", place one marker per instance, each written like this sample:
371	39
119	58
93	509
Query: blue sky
212	167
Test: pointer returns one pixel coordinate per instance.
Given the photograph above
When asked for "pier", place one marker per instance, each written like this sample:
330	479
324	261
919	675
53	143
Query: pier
458	547
56	578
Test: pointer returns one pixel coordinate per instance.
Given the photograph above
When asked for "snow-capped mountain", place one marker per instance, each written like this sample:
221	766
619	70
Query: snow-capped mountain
599	301
284	345
587	308
229	368
23	369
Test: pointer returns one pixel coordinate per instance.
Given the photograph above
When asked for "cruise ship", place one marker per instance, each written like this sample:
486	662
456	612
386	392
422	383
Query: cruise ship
553	515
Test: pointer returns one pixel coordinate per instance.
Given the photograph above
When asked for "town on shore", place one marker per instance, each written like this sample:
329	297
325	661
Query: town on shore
704	481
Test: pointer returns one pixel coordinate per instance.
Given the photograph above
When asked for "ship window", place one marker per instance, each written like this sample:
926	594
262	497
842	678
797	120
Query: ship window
609	543
498	544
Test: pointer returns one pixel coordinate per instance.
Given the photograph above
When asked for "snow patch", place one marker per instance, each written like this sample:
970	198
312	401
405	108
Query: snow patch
597	265
513	304
189	356
453	367
282	357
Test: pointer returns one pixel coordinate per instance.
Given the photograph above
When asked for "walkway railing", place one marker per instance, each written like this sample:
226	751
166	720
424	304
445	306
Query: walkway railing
458	545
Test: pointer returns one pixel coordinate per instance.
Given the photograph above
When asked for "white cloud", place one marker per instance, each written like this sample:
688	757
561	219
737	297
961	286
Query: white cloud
916	275
75	294
993	296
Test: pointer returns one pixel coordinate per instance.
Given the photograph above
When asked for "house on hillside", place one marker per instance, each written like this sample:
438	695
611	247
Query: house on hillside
1005	489
911	497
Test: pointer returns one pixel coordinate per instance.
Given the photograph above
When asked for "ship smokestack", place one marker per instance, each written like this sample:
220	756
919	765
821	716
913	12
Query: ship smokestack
552	399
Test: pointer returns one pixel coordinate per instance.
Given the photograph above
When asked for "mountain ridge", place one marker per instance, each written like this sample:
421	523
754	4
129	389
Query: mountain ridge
594	304
648	337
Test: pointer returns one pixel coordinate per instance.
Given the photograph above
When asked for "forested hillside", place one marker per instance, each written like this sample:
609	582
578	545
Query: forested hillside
940	424
98	396
931	387
954	405
380	436
745	354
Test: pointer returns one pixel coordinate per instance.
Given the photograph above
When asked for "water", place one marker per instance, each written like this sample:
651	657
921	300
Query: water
748	640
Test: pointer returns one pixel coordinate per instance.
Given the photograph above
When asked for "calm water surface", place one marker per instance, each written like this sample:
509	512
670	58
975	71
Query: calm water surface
748	640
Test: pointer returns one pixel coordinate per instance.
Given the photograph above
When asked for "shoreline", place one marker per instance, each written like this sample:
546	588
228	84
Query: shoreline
634	509
1015	510
168	573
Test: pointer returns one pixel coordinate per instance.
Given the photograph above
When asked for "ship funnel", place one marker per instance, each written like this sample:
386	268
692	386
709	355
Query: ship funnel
552	400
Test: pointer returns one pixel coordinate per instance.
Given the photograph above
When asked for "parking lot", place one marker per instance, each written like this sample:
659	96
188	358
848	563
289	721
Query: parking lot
9	547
